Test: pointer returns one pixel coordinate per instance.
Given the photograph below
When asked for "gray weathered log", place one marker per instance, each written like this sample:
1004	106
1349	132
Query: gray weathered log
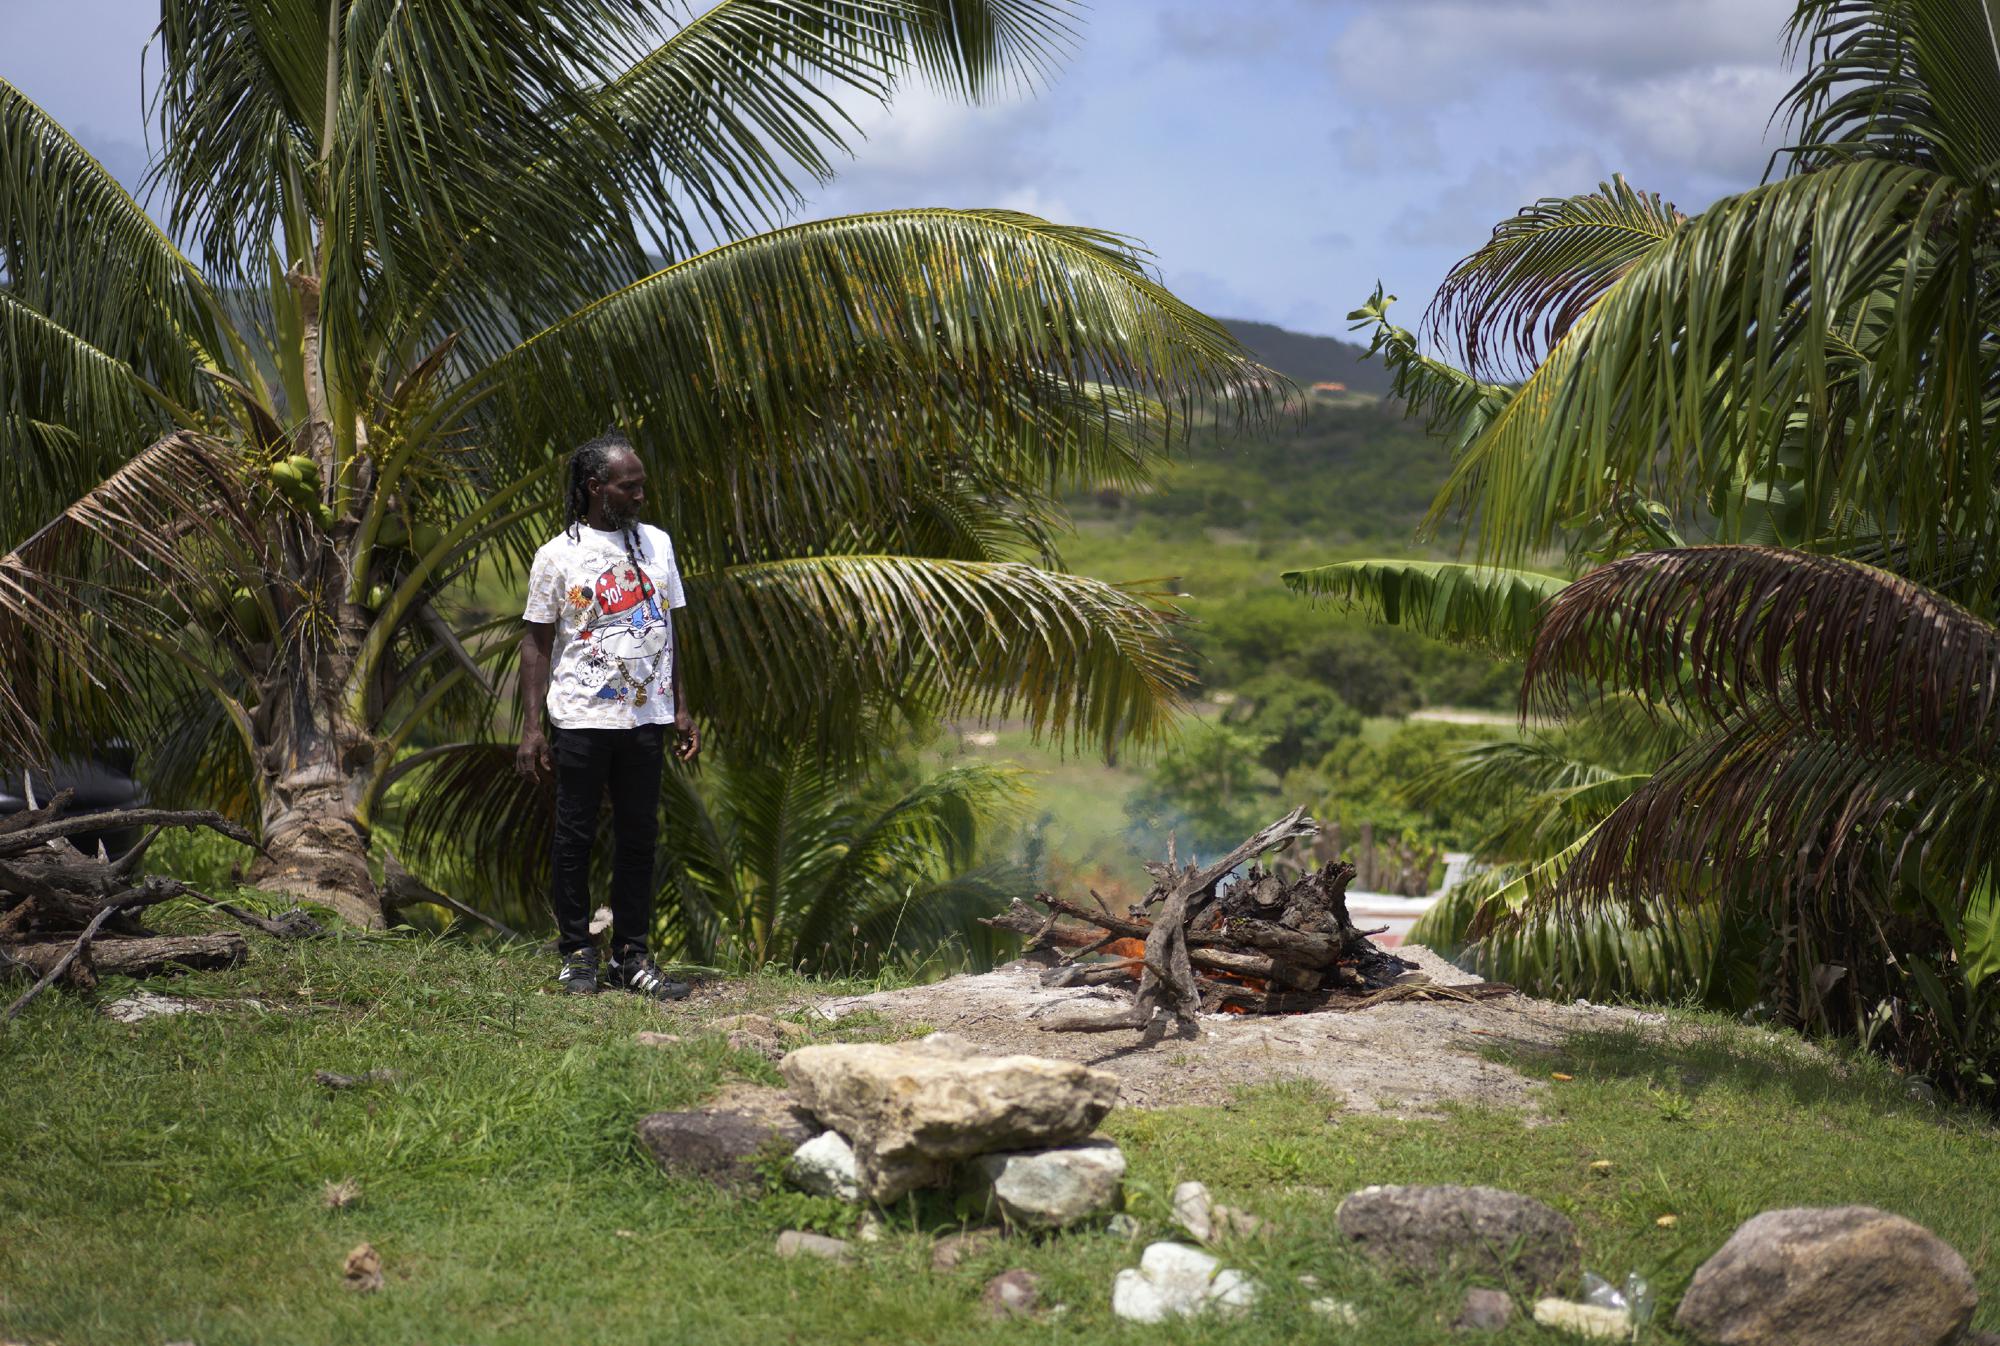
144	957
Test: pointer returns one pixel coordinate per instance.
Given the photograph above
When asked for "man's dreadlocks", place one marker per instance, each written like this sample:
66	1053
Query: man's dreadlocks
593	459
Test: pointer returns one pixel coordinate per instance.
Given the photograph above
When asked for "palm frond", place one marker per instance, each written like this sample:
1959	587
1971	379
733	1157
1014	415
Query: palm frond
871	332
1542	270
1455	406
1750	305
896	875
830	641
77	249
94	605
731	109
71	414
1839	647
1489	607
1917	81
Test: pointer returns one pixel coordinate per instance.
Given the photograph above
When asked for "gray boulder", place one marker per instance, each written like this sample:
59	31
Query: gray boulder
912	1109
1851	1274
722	1143
1476	1231
1048	1189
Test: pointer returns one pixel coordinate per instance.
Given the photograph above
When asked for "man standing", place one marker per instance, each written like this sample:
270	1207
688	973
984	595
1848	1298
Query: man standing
598	652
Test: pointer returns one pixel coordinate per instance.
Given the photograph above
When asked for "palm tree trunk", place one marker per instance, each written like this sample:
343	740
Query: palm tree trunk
315	769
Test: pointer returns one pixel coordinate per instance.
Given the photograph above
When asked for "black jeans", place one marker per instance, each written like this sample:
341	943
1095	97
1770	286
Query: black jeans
588	762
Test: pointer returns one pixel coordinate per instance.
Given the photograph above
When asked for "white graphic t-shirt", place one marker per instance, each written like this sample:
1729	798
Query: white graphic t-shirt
613	659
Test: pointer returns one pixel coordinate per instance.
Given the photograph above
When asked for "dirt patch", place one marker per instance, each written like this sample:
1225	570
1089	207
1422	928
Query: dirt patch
1407	1057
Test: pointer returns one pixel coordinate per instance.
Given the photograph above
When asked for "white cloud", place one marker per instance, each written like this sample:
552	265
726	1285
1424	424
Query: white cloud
1707	123
1462	215
1431	52
927	149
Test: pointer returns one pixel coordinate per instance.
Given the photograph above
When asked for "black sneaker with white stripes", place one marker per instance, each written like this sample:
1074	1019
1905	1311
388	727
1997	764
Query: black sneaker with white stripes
579	972
638	973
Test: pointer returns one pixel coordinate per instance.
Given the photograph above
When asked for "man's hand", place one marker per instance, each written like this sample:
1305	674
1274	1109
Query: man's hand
687	745
533	759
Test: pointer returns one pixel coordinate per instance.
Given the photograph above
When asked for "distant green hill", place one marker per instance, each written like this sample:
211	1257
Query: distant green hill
1311	359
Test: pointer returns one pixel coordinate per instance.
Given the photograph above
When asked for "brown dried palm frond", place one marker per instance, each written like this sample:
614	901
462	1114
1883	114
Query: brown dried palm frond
1836	647
1851	756
116	575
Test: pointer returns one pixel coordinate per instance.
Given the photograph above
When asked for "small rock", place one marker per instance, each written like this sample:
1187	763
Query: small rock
1852	1274
647	1038
757	1025
1428	1231
912	1109
1667	1221
1232	1223
1123	1226
340	1195
1485	1311
724	1141
955	1248
1012	1294
333	1081
799	1243
1049	1189
1194	1211
362	1270
824	1166
870	1228
1173	1280
1584	1320
1335	1310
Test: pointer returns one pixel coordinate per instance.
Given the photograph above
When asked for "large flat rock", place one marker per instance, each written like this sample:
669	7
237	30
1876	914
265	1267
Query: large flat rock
912	1109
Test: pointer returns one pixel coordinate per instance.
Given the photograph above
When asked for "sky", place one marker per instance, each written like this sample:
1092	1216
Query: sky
1278	157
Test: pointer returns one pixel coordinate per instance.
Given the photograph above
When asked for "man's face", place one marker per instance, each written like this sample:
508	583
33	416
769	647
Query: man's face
621	491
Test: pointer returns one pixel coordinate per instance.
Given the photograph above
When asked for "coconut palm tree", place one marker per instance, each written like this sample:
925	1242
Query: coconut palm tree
1808	362
261	461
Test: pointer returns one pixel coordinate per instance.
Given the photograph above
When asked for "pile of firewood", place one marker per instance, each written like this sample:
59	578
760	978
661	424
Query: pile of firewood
67	916
1194	946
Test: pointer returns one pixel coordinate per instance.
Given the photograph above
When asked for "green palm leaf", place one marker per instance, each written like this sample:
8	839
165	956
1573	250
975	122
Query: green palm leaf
1746	305
870	332
835	641
1490	607
77	249
741	100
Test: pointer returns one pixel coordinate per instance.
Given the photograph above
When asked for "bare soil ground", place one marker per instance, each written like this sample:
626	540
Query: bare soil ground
1407	1057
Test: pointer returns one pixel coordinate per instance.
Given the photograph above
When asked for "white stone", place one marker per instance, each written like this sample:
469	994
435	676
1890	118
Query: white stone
825	1166
1584	1320
1137	1300
1050	1189
1232	1291
1338	1310
1194	1211
1173	1280
799	1243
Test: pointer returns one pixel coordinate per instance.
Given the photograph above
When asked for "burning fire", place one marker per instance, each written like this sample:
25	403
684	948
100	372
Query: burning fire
1132	953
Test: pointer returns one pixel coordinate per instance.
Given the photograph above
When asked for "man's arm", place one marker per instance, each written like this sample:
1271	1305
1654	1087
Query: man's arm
689	743
533	759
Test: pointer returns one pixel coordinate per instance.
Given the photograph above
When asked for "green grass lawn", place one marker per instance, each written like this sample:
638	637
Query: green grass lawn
163	1181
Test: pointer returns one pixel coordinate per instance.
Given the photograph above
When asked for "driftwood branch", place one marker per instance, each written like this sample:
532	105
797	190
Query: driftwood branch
27	838
62	964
